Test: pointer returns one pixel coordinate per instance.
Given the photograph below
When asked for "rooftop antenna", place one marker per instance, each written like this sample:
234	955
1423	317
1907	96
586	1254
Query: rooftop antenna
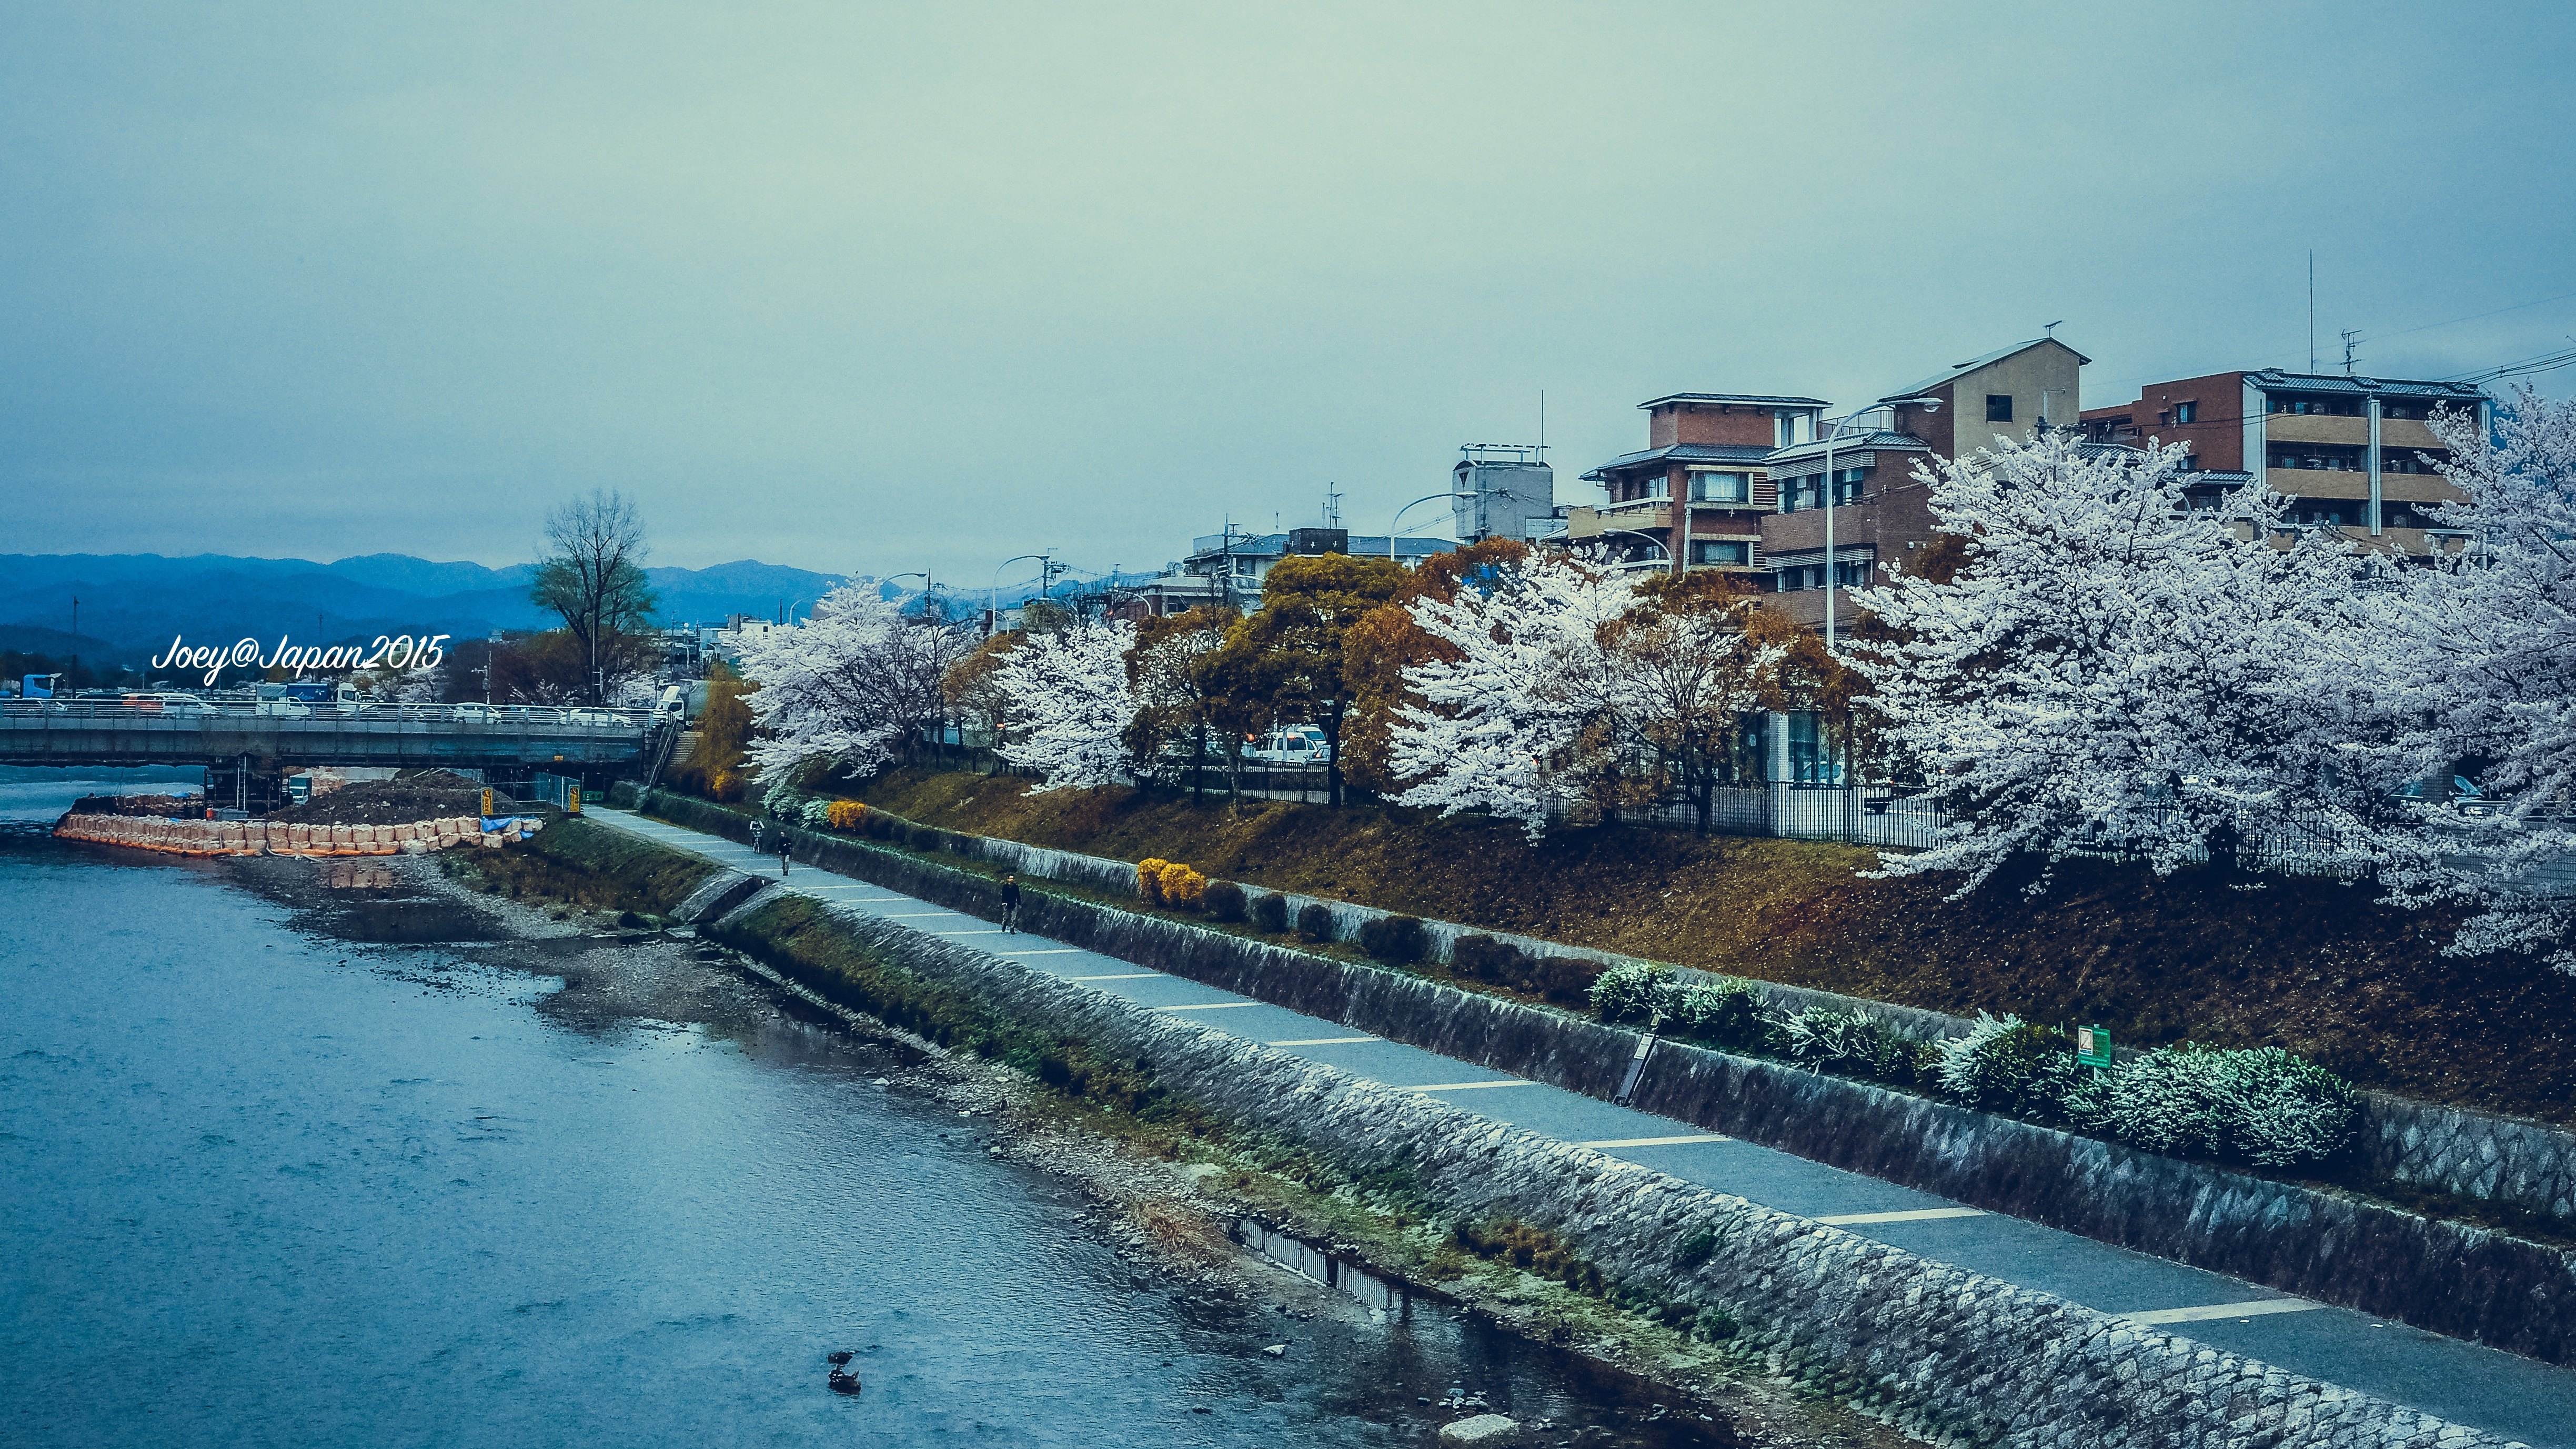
2312	309
2050	331
1332	505
1542	425
2350	336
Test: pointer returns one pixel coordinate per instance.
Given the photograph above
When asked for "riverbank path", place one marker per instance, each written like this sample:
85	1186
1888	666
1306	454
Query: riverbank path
2465	1383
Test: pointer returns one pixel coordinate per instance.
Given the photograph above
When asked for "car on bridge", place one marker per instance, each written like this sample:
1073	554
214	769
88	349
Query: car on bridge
168	702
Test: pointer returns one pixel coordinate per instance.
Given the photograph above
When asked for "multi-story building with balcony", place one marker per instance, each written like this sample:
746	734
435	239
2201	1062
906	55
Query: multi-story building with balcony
1695	497
1866	474
2355	454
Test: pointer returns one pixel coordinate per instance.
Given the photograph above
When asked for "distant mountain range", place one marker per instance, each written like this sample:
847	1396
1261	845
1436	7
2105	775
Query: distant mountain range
131	604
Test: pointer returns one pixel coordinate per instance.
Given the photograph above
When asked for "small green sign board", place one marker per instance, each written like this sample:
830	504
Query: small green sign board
2092	1046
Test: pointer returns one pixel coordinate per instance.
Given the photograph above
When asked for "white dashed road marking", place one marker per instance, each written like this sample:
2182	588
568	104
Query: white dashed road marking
2255	1309
1918	1215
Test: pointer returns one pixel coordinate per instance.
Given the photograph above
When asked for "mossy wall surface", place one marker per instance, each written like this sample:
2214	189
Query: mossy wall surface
2446	1276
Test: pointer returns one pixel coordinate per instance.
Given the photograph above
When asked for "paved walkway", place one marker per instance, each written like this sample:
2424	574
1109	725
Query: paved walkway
2467	1384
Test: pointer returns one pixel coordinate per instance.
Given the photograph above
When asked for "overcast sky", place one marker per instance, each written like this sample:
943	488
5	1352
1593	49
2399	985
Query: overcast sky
873	290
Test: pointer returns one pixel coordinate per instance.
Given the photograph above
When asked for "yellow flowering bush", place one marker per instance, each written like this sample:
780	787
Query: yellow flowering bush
1182	887
1149	880
845	815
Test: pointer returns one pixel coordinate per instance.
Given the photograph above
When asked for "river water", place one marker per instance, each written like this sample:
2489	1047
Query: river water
281	1169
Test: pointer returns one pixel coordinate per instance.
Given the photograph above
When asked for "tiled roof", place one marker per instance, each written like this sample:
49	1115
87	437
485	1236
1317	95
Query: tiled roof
2271	378
1879	440
1682	453
1749	399
1962	369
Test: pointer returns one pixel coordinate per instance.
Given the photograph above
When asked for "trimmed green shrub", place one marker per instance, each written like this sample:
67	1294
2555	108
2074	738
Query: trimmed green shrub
1223	899
1315	922
2012	1066
922	838
1565	980
2264	1107
1633	991
1851	1043
1731	1013
1270	913
1487	959
1397	939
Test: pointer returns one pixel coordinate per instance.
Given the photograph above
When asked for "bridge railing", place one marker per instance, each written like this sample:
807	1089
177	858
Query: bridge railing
165	708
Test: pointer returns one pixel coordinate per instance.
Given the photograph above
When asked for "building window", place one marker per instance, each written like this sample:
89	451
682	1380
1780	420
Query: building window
1720	487
1852	573
1847	485
1998	407
1807	492
1722	551
1659	486
1811	754
2186	412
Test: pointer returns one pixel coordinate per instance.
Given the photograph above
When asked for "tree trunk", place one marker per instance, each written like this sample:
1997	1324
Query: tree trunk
1333	756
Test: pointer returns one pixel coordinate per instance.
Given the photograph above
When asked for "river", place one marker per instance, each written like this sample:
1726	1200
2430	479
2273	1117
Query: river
283	1165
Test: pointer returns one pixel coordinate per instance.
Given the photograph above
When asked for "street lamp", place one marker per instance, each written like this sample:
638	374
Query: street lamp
925	586
1659	544
1889	405
1408	508
993	595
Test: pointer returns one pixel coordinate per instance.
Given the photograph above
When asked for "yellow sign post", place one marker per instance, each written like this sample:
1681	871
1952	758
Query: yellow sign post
487	802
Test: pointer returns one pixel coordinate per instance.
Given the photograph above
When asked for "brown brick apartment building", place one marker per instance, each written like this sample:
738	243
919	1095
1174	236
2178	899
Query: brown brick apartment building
2352	453
1881	513
1695	497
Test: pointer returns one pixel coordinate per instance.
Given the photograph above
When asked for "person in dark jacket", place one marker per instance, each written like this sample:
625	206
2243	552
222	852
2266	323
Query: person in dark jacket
1010	905
784	841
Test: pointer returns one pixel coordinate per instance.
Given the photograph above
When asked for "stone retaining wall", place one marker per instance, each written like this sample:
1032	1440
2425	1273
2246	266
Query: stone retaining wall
276	837
2530	1165
1949	1355
2445	1276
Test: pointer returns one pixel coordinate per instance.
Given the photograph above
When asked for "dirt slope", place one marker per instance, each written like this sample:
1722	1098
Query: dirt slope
2310	965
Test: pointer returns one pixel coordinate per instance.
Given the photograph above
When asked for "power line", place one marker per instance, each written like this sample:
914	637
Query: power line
2430	326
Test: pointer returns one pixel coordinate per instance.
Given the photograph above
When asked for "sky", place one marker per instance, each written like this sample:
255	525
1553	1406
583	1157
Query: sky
880	289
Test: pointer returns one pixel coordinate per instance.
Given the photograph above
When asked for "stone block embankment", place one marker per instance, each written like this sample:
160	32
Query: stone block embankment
1950	1355
276	837
2445	1276
2528	1165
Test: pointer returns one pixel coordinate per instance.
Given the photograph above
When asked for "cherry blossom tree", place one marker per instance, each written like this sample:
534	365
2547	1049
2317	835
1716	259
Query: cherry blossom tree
1520	721
2120	665
2487	663
853	683
1071	704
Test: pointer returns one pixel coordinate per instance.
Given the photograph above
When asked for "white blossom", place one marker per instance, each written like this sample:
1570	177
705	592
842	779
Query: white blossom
1071	701
1501	728
2115	668
851	683
2486	662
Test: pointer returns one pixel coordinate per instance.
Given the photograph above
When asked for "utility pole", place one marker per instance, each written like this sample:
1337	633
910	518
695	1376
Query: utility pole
2312	309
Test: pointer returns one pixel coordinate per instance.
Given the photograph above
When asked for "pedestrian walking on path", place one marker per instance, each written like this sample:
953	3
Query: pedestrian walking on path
1010	905
755	836
784	841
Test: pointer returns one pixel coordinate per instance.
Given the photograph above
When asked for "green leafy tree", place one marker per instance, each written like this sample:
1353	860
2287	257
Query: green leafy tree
1290	652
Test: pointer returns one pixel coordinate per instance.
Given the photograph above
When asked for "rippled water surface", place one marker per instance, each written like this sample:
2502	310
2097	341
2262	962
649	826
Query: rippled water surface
265	1185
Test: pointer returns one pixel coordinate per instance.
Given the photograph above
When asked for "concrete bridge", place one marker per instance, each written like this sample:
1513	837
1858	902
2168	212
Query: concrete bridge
75	732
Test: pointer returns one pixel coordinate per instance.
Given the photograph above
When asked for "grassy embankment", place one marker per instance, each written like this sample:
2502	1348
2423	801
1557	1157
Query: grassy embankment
575	863
2311	965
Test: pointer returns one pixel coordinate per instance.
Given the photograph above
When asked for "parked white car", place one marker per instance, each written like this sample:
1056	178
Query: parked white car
1294	745
475	714
591	717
